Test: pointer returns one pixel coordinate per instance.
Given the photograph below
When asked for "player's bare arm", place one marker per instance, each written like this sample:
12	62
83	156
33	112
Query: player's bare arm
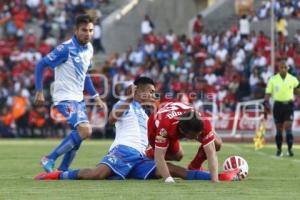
161	164
266	104
212	160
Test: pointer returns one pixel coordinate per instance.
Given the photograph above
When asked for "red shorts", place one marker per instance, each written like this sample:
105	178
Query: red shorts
173	149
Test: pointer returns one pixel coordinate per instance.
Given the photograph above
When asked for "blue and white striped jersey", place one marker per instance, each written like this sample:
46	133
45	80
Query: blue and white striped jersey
71	62
131	128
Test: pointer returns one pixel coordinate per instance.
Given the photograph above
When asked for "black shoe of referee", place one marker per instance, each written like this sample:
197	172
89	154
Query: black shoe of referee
279	153
290	153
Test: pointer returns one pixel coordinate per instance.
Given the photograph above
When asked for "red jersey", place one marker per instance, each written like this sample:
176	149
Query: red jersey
163	126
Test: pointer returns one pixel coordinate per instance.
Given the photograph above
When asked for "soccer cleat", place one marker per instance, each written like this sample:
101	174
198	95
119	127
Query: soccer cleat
290	153
48	176
279	153
47	164
230	175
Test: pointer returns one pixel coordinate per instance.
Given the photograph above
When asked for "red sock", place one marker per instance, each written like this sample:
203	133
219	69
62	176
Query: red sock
197	162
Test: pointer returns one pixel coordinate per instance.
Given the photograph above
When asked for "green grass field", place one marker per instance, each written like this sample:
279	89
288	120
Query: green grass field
269	177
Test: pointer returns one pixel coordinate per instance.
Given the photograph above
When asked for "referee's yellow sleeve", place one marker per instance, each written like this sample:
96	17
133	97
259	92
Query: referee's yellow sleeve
296	82
269	86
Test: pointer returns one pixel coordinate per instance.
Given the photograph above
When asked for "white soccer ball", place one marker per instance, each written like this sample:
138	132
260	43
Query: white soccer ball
233	162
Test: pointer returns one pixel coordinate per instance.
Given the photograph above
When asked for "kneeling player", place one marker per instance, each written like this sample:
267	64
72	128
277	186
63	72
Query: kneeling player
174	121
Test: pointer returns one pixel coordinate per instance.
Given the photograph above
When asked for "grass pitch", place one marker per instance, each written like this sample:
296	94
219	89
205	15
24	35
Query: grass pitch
269	177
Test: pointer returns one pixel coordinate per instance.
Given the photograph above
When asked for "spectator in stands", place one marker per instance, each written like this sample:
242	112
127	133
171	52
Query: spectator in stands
6	120
297	36
244	26
97	41
263	11
147	26
198	25
281	26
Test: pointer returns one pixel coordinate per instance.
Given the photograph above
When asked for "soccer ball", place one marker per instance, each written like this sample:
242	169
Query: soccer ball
233	162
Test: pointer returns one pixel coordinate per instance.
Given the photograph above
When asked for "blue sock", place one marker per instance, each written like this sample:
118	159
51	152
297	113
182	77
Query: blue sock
197	175
69	175
71	141
67	160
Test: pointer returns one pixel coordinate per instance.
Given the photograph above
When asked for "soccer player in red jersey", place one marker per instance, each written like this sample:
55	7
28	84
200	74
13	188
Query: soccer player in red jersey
174	121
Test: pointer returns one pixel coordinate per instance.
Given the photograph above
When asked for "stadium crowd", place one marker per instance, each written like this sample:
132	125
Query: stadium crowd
283	8
222	67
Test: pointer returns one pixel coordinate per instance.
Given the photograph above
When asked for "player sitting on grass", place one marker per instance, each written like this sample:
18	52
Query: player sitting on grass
126	158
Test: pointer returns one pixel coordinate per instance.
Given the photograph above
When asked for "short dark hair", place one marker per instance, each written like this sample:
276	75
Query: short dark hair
143	80
190	123
83	19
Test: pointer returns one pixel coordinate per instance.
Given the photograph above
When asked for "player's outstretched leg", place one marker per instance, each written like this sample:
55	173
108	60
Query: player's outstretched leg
101	172
70	142
183	173
67	160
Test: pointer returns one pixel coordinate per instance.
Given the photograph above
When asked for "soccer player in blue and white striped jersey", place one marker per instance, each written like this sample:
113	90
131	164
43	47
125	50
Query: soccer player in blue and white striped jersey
70	62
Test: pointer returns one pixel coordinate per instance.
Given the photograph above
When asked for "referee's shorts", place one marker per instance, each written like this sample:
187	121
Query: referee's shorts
283	111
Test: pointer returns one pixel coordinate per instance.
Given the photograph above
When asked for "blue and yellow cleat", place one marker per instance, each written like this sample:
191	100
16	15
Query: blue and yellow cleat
47	164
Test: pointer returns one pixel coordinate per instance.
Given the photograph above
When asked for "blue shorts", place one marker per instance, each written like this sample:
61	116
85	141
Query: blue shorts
126	162
74	112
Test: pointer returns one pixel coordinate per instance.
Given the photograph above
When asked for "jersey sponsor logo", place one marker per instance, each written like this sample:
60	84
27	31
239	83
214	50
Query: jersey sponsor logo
77	59
60	47
163	132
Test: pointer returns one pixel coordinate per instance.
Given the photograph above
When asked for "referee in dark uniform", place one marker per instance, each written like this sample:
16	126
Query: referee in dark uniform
281	88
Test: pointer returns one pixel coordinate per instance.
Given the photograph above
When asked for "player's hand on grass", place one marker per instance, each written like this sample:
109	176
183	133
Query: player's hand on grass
169	180
214	181
39	98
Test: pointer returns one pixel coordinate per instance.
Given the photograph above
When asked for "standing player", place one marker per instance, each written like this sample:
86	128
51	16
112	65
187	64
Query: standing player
70	62
174	121
281	87
126	158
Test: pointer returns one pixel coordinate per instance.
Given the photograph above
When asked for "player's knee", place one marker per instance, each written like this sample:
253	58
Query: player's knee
179	156
102	172
84	131
218	146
